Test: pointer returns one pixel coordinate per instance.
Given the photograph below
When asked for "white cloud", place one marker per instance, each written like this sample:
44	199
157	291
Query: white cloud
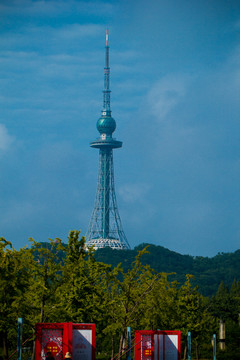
237	24
133	192
55	7
79	31
5	139
234	57
58	38
166	94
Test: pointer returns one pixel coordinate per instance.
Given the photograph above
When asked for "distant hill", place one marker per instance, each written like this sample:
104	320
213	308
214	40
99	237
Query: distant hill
208	272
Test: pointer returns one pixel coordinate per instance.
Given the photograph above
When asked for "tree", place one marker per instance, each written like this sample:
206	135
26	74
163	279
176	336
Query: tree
129	295
15	274
223	305
81	295
235	296
192	314
45	279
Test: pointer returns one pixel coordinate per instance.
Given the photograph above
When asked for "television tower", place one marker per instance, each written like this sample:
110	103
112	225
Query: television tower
105	228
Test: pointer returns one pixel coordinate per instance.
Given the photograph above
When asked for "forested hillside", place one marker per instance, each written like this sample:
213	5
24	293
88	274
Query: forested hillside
208	272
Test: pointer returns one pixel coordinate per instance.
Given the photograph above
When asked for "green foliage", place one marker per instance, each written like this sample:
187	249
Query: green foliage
81	292
54	282
208	272
15	274
129	293
225	305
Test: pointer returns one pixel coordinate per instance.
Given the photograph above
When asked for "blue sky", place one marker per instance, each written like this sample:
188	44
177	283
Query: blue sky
175	81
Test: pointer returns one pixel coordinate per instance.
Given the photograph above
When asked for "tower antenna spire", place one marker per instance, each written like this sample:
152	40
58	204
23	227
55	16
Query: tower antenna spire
107	37
106	92
105	228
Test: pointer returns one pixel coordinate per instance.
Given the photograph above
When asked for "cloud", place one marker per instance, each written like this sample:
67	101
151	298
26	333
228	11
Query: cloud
133	192
237	24
50	39
60	85
166	94
77	31
5	139
55	7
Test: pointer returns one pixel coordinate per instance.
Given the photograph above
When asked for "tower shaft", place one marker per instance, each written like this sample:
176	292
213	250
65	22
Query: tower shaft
105	228
105	163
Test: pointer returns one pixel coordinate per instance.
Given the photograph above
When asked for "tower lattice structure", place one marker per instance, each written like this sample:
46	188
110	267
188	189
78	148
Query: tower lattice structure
105	228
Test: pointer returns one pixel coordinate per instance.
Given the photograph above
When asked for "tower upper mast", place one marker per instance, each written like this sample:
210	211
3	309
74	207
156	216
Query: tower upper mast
106	125
106	92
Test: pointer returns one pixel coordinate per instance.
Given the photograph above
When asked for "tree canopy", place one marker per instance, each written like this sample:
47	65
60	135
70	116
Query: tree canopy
54	282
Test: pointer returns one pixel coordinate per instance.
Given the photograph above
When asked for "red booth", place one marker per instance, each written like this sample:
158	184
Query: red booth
60	338
157	345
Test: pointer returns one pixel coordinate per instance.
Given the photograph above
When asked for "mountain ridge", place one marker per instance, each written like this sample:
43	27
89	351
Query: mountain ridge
208	272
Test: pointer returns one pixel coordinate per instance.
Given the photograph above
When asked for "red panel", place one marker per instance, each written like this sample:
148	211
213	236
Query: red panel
145	351
58	337
54	337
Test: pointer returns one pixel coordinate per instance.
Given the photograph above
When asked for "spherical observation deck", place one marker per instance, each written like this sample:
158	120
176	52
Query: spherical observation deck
106	125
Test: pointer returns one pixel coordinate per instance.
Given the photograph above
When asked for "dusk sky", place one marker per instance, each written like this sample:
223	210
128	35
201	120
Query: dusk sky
175	81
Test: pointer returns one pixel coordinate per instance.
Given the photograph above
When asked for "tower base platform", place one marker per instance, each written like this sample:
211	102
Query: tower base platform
102	243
